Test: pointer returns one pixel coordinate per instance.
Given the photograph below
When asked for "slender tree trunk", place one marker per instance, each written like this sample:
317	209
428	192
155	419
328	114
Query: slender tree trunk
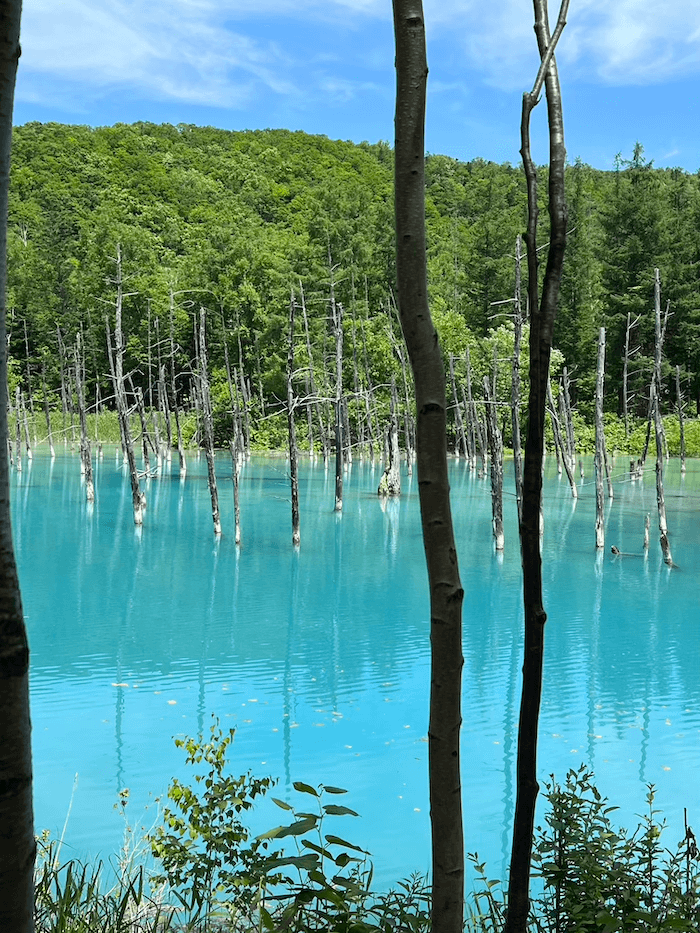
47	412
173	391
446	593
390	483
460	437
516	385
559	440
660	500
293	455
64	391
599	444
17	845
542	314
679	402
625	371
337	312
208	423
85	453
496	456
312	380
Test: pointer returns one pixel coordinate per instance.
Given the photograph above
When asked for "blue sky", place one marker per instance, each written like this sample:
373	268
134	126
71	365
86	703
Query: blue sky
630	70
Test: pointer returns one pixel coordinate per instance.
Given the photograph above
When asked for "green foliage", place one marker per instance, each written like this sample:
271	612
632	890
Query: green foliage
595	877
205	850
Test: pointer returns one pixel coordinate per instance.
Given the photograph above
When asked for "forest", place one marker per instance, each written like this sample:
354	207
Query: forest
175	219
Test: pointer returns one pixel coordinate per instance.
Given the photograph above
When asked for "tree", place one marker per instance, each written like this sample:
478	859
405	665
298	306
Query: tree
446	593
17	846
542	314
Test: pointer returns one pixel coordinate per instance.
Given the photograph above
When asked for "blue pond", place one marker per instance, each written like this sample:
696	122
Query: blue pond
320	658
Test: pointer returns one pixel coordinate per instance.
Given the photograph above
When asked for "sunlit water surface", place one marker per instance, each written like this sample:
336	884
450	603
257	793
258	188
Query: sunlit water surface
320	658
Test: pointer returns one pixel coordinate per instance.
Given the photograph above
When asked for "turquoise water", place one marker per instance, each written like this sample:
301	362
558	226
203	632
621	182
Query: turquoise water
319	658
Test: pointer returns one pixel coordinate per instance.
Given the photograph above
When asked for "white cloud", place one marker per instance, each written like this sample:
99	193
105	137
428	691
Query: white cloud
214	52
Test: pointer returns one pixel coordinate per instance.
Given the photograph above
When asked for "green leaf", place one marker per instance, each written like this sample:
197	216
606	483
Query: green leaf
337	841
334	790
281	803
298	828
332	810
299	861
305	788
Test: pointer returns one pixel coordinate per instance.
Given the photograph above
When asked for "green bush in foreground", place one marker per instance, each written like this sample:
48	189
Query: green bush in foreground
214	877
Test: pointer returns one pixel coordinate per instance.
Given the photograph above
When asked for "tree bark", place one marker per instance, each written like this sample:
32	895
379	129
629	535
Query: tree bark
660	500
390	483
679	402
85	453
515	384
293	455
173	390
446	593
208	423
542	314
17	845
337	312
496	457
460	436
599	444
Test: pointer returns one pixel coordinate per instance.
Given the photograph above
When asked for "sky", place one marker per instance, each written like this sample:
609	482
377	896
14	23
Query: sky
629	69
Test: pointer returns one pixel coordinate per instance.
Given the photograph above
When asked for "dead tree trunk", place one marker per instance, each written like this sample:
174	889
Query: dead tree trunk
293	454
85	453
679	403
312	381
337	316
390	483
17	843
542	314
173	391
446	592
625	371
660	501
599	444
515	384
496	456
460	437
559	439
208	422
47	412
116	366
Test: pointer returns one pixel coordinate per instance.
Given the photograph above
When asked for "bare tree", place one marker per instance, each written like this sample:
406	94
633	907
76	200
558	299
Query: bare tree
542	314
446	594
17	845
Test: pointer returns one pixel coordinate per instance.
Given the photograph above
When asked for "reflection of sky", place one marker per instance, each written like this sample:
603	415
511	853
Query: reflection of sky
320	658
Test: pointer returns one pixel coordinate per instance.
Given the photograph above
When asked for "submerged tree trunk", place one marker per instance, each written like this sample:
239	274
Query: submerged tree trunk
173	391
17	845
660	500
681	427
47	412
599	444
85	453
293	454
542	314
208	423
446	592
390	483
496	456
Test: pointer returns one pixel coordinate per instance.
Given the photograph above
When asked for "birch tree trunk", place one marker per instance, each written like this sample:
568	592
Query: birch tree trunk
446	592
17	846
85	453
390	483
542	314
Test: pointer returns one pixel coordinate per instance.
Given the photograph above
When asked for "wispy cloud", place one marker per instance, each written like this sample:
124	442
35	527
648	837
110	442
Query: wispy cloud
215	52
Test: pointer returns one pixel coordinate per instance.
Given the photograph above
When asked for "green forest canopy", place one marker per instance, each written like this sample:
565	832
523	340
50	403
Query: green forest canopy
235	220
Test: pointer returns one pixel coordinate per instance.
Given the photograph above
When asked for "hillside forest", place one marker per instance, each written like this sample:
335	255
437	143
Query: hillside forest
164	221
